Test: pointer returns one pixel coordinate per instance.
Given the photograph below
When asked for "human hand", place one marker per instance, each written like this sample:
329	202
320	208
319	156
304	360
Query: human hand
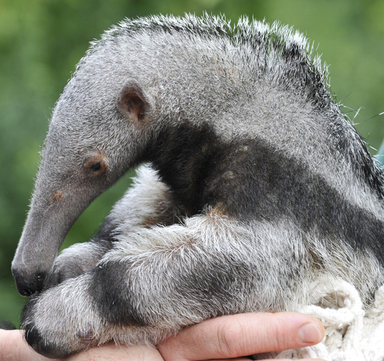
228	337
238	336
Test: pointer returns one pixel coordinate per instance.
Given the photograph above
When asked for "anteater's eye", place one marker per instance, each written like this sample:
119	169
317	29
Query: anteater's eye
95	166
94	163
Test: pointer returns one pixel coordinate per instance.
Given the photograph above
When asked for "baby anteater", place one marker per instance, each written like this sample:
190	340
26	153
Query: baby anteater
253	186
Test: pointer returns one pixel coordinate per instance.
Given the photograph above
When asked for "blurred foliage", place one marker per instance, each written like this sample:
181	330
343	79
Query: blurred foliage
42	40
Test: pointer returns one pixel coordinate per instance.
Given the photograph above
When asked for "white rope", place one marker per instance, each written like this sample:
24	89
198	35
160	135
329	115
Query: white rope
351	334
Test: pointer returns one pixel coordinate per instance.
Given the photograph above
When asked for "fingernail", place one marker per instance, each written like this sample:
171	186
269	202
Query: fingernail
310	333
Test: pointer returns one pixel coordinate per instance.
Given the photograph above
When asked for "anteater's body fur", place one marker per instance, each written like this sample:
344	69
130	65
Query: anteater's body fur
256	186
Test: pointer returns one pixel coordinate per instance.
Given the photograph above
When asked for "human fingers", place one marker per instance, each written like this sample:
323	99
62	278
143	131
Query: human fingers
247	359
14	348
113	352
241	335
269	359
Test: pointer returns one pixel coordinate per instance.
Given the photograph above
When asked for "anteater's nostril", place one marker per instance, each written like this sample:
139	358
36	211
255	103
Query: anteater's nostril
23	287
29	285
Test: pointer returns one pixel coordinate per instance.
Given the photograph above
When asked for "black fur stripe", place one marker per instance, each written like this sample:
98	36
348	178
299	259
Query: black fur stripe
256	181
251	179
112	294
184	156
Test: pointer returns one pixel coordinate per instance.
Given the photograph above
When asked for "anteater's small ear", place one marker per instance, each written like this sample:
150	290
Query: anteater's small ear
134	103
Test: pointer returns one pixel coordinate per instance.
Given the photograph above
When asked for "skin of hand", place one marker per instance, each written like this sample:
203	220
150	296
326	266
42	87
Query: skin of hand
227	337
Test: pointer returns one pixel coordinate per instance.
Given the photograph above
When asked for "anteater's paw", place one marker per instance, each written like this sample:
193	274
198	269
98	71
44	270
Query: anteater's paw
72	262
61	321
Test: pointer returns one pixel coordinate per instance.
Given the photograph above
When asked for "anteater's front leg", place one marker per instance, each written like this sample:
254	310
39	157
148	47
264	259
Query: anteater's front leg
160	279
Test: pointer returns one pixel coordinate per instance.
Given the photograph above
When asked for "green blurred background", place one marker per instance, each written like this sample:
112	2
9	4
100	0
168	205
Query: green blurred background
42	40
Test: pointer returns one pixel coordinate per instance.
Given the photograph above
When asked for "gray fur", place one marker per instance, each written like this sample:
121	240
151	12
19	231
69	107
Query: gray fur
256	188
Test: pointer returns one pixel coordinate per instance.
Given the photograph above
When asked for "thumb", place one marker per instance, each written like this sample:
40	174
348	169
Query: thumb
241	335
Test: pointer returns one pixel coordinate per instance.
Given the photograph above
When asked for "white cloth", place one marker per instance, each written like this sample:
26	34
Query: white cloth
351	334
